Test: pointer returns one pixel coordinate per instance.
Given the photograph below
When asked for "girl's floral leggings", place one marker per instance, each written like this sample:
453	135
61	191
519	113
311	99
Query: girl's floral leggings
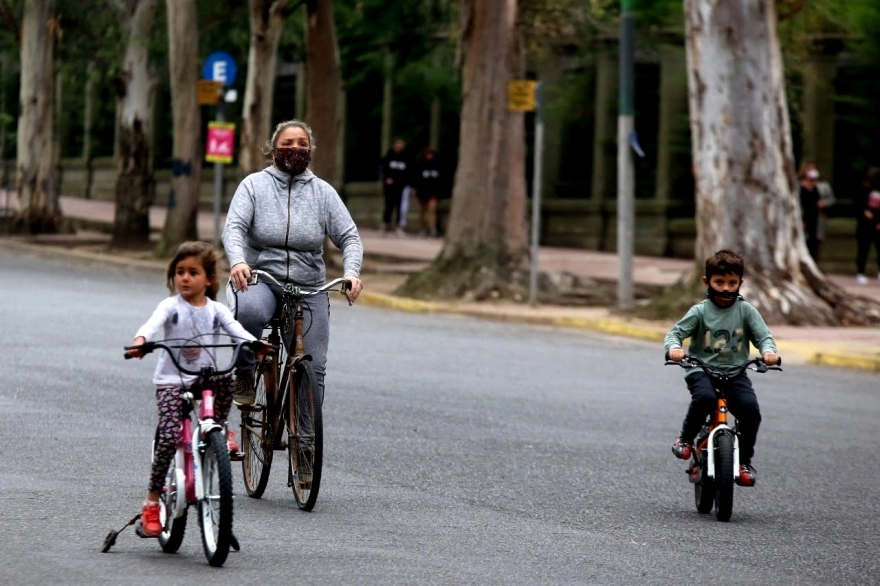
168	433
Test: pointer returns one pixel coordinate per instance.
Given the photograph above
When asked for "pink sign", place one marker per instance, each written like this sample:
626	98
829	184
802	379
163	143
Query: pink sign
221	138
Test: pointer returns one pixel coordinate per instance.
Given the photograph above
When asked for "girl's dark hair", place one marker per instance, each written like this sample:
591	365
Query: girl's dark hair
206	255
872	178
725	262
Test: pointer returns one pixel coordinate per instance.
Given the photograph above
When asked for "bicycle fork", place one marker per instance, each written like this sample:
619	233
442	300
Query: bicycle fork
718	427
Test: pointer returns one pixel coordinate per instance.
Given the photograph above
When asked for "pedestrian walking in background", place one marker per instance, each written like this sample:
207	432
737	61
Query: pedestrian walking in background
868	226
816	197
395	171
427	183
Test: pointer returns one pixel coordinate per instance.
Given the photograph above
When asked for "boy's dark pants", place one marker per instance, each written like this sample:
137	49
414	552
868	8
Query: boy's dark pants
741	401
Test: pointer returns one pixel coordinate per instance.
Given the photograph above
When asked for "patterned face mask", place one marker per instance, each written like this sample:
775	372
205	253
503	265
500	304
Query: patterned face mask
293	160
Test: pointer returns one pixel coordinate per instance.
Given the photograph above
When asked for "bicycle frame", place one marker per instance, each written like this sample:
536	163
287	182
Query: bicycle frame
292	300
186	460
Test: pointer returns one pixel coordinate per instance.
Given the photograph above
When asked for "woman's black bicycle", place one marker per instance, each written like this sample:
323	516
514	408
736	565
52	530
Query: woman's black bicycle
286	399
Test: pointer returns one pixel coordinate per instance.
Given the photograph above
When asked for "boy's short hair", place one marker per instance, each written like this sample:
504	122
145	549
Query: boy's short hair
725	262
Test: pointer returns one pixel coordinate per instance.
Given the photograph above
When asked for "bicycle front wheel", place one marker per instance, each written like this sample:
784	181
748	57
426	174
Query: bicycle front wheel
305	443
256	431
215	509
724	477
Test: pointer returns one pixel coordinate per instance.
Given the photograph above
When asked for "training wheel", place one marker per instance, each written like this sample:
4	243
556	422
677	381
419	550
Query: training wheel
109	541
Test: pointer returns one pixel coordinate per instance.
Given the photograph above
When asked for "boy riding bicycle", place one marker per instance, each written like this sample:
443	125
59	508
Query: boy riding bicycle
721	328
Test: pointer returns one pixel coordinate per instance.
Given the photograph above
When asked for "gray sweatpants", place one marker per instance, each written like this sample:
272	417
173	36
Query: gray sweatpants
256	306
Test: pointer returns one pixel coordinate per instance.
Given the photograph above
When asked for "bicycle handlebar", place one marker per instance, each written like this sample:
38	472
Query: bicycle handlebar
148	347
301	291
690	361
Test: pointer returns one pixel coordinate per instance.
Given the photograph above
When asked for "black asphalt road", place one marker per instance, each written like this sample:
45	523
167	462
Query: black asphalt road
458	452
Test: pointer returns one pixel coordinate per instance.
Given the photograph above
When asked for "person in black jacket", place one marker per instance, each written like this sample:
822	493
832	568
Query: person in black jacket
396	170
868	227
427	184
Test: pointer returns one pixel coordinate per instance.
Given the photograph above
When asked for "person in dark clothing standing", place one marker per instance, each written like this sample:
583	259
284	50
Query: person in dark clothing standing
868	227
816	196
395	176
427	183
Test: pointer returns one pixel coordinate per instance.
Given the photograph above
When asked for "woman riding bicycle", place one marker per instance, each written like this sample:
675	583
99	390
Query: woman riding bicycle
277	222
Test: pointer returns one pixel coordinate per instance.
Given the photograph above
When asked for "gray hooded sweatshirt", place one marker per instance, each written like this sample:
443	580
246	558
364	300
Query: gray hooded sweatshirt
276	223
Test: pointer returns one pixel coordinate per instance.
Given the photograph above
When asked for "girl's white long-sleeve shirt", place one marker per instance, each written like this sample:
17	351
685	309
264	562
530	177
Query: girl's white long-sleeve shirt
191	327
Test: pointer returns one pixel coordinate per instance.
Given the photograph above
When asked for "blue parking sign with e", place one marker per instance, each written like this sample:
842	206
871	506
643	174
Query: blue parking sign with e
220	66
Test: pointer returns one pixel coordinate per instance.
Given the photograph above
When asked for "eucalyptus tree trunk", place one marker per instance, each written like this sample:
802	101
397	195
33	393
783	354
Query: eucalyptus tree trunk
267	22
135	87
37	209
183	61
485	252
747	193
323	87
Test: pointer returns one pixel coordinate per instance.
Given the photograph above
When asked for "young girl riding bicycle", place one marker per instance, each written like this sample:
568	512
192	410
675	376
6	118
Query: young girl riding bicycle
192	316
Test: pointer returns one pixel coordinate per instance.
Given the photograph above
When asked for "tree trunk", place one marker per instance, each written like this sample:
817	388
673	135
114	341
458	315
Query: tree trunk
324	85
38	209
267	22
747	193
485	252
183	58
135	86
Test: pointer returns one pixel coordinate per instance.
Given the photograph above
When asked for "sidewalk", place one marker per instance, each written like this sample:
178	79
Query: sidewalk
393	257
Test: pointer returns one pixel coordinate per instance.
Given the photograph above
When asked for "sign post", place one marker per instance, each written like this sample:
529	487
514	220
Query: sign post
219	70
625	168
527	96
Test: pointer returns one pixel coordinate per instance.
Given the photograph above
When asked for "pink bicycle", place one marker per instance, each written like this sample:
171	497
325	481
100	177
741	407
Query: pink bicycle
200	473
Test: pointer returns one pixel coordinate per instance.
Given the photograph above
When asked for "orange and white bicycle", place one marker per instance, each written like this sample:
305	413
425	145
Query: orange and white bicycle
714	466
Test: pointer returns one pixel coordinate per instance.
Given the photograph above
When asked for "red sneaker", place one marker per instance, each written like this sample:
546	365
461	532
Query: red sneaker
150	526
747	475
231	443
681	449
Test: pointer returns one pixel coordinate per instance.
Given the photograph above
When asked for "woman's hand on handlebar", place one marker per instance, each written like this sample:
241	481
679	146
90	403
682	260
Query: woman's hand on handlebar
136	352
240	275
770	358
261	348
356	287
676	354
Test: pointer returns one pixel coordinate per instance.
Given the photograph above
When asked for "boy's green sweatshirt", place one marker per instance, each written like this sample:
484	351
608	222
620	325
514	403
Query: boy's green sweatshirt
721	337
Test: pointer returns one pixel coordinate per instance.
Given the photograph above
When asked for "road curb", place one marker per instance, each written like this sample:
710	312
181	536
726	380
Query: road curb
606	326
859	362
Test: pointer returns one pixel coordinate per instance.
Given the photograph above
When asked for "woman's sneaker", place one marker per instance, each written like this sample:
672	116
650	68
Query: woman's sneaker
244	393
149	522
681	449
747	475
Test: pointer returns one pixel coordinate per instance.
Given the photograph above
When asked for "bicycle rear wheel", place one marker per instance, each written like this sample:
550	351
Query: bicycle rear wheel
215	509
305	441
724	477
256	430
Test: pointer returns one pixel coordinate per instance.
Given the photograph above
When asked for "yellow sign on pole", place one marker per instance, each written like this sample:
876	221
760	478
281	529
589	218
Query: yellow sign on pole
208	92
521	95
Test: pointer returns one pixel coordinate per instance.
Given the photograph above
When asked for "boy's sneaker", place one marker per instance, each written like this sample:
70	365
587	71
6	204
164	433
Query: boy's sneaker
747	475
681	449
150	525
244	393
861	279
